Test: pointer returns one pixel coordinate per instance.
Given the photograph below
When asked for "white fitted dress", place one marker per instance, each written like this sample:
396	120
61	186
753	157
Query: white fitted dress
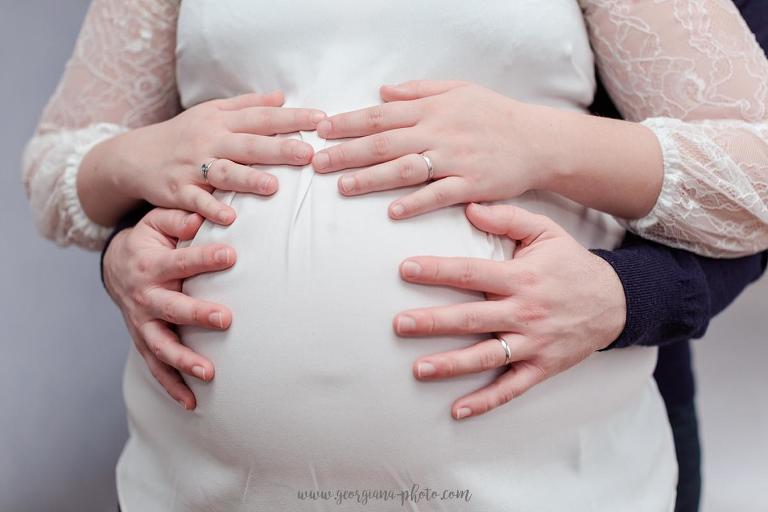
313	389
314	392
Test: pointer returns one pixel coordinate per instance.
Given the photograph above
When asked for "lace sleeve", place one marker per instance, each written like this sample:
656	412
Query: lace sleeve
691	71
120	76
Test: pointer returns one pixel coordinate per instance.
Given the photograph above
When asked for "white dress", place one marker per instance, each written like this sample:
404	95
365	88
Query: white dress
313	391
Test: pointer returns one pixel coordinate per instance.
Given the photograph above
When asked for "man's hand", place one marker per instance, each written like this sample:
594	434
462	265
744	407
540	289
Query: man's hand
143	273
554	303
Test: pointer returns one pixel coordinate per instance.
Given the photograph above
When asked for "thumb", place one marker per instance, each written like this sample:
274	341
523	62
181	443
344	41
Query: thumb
510	221
174	223
416	89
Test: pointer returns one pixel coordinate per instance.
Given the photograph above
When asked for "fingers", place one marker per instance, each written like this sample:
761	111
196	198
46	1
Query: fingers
416	89
195	199
514	222
480	357
173	223
166	347
468	318
272	99
168	377
187	262
477	274
371	120
258	149
369	150
228	175
180	309
521	377
402	172
269	121
438	194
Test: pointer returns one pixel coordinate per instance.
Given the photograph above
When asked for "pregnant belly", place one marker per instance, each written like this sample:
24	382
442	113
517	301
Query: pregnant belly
312	386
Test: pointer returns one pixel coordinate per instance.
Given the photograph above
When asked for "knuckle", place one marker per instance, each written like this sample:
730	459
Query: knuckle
170	312
531	312
466	273
504	394
224	174
470	322
405	170
440	195
527	278
338	156
139	298
375	117
263	118
380	145
487	360
181	261
174	185
143	264
450	367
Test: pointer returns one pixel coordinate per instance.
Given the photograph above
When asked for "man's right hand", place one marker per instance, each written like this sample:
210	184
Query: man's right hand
143	273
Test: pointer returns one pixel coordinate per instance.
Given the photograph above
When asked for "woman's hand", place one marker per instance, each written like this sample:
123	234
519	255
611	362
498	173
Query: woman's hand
555	303
162	163
143	273
483	146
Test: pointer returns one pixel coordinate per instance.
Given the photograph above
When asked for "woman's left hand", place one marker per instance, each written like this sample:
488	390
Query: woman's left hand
554	303
482	145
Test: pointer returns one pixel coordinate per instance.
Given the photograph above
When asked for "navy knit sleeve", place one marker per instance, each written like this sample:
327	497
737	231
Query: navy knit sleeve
673	294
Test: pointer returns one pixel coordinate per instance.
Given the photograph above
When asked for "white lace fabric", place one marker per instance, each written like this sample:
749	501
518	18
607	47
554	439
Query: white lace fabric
121	76
690	70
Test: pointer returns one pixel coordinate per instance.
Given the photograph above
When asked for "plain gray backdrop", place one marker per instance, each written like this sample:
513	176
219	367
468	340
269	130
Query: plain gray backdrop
62	424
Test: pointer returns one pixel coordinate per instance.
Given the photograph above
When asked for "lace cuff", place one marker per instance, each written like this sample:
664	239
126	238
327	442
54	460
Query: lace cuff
52	161
702	191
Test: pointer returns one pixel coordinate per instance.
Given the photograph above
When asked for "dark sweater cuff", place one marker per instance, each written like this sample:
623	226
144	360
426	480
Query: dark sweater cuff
663	301
128	221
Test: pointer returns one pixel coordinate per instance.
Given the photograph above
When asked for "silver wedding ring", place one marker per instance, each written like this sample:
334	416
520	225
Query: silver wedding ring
205	168
507	351
430	169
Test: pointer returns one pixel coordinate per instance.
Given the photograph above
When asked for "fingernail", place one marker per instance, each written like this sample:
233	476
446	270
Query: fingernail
181	403
316	117
411	269
347	183
398	210
199	372
222	256
425	370
224	215
321	161
216	319
463	412
324	126
405	323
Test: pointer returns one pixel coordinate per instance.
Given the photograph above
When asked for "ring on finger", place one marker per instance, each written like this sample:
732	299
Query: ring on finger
205	168
430	167
507	350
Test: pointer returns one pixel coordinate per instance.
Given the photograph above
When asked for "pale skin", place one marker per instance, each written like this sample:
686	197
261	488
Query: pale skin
609	165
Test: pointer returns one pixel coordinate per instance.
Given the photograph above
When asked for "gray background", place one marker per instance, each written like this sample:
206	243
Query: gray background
63	345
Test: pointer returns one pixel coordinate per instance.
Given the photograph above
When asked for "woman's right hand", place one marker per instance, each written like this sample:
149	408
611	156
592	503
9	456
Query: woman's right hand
161	163
143	273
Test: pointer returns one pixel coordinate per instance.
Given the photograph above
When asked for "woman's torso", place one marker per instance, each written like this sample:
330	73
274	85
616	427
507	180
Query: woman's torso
313	389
